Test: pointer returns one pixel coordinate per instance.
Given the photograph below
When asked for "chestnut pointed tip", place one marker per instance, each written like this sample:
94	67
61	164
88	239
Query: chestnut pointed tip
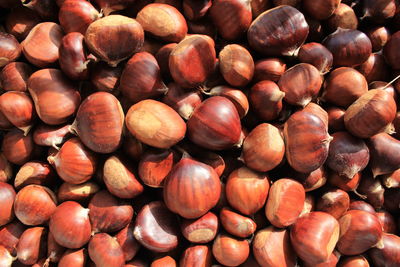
380	244
26	129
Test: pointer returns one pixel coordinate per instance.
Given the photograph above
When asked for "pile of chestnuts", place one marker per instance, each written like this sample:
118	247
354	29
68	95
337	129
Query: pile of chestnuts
199	133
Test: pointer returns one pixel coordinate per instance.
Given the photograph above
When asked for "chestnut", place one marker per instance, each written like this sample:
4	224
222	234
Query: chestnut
17	147
272	247
54	250
76	258
343	182
320	9
31	246
359	231
10	234
359	261
237	19
191	189
192	61
344	86
163	21
56	98
156	124
201	230
236	224
197	255
99	122
162	57
309	205
215	124
278	32
7	197
301	84
372	190
238	98
317	55
314	236
6	172
141	78
10	49
269	69
230	251
285	202
114	38
107	214
6	259
348	47
380	10
155	227
387	221
375	68
335	202
20	21
77	15
379	36
80	192
41	45
313	180
390	53
130	246
343	17
306	156
266	100
65	160
361	205
48	135
104	77
392	180
14	76
389	255
166	261
194	10
370	113
70	225
104	250
383	154
34	204
247	190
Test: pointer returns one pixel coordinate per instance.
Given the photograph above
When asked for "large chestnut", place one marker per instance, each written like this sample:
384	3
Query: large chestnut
215	124
192	188
77	15
278	32
56	98
229	250
156	124
7	196
114	38
370	113
99	122
10	49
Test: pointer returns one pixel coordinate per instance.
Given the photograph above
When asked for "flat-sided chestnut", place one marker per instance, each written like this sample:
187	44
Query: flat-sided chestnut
32	245
191	189
269	69
370	113
229	250
196	255
130	246
156	124
383	154
247	190
201	230
10	49
114	38
48	135
156	227
104	250
7	196
99	122
278	32
272	247
285	202
80	192
14	76
77	15
236	224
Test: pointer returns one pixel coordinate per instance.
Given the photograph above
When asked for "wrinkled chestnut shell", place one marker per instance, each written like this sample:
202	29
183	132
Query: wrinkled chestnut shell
191	189
348	47
317	55
72	55
99	122
320	9
278	32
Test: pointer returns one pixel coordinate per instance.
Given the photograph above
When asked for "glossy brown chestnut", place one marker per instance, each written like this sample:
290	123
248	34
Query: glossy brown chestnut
156	227
20	21
104	77
344	86
309	205
306	156
10	49
104	250
236	20
392	180
313	180
278	32
387	221
320	9
201	230
73	60
215	124
114	38
389	255
379	11
379	36
285	202
141	78
390	51
56	98
238	98
388	87
191	189
375	68
70	225
353	261
359	231
197	255
361	205
317	55
77	15
382	150
65	160
192	61
10	234
343	182
229	250
335	119
269	69
370	113
372	190
202	26
73	258
34	204
18	108
163	22
130	246
5	124
80	192
47	135
314	236
247	190
14	76
107	214
156	124
41	45
7	196
194	10
32	245
266	100
271	247
343	17
162	57
236	224
335	202
17	147
348	47
301	84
